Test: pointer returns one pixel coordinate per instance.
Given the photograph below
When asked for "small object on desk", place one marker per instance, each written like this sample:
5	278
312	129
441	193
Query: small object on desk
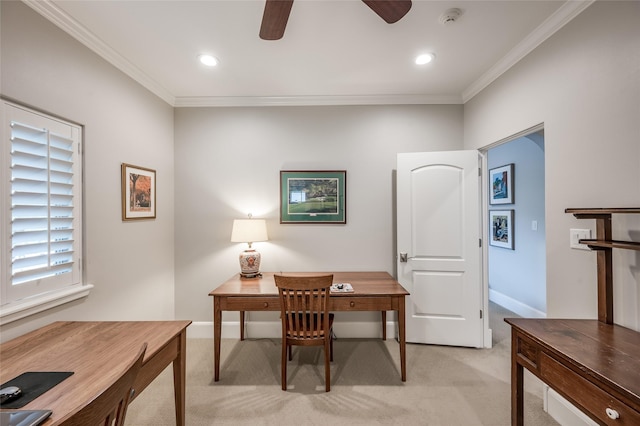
341	288
9	394
23	417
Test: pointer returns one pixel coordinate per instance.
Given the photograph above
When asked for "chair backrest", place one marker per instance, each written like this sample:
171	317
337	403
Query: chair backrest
109	407
304	302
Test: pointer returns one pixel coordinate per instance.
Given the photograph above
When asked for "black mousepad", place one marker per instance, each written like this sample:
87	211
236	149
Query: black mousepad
33	384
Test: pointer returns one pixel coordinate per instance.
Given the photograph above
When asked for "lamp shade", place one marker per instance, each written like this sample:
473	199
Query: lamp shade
249	231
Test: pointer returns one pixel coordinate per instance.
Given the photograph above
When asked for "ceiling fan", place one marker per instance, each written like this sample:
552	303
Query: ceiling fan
276	14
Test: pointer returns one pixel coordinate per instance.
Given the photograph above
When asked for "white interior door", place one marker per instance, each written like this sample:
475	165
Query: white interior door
439	233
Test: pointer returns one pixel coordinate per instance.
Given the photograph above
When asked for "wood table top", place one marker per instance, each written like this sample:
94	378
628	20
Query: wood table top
363	283
610	352
96	352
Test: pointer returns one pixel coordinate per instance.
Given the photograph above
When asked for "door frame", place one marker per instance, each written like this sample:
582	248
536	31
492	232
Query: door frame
484	262
485	220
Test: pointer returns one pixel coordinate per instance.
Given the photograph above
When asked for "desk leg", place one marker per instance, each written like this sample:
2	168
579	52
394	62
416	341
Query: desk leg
179	379
217	333
403	339
241	325
517	388
384	325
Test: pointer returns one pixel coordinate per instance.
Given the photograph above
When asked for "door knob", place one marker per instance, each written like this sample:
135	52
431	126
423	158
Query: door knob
403	257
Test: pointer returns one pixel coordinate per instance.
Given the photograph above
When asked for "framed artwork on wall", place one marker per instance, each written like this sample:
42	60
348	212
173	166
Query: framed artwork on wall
313	196
501	232
138	192
501	185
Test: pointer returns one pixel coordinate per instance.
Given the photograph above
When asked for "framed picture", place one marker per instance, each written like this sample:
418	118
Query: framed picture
138	192
313	196
501	185
501	232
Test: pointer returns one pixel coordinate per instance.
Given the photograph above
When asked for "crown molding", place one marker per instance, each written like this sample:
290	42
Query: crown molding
565	13
58	17
569	10
250	101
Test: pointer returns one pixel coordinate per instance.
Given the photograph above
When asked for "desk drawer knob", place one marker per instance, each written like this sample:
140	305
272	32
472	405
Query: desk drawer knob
266	304
613	414
352	304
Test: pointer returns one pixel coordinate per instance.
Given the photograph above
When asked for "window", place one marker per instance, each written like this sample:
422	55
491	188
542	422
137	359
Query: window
41	198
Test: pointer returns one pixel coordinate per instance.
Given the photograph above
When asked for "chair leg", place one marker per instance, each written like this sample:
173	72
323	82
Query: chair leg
327	367
284	364
331	347
290	352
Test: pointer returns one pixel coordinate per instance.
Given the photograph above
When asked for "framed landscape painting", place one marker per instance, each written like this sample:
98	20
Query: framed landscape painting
138	192
501	232
501	185
313	196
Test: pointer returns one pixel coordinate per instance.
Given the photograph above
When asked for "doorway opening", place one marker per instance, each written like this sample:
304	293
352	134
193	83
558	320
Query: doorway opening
516	272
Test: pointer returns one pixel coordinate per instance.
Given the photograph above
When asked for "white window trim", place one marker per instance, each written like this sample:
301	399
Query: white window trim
27	306
32	305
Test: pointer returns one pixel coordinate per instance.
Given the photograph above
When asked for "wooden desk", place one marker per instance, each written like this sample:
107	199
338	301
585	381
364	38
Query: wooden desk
96	352
373	291
596	366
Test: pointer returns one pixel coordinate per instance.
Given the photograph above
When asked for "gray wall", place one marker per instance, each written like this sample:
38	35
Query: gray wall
584	85
227	164
517	278
130	264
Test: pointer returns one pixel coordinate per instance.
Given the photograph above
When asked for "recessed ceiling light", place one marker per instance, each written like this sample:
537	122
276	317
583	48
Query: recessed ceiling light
425	58
208	60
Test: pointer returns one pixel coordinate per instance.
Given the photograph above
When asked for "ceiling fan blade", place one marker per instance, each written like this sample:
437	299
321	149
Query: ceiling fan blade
389	10
274	19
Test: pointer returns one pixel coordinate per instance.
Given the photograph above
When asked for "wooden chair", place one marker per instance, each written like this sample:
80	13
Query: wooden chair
306	320
109	407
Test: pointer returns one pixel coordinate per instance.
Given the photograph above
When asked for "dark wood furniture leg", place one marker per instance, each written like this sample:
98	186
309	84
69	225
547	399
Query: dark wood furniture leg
517	399
384	325
402	338
217	333
241	325
179	378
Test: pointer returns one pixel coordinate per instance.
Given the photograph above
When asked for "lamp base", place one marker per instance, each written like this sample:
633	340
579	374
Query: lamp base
249	263
256	275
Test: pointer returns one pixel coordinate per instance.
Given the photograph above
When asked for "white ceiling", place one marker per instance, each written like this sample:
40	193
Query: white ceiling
332	52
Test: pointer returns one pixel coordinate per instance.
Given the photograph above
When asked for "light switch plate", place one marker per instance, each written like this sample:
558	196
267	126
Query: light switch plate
579	234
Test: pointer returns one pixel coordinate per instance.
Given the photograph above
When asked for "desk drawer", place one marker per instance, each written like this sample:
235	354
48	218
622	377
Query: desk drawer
585	393
250	304
361	304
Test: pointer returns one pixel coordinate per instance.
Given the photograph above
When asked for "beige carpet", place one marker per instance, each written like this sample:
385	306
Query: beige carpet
445	385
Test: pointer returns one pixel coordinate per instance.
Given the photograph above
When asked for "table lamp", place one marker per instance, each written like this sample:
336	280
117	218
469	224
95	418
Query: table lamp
249	231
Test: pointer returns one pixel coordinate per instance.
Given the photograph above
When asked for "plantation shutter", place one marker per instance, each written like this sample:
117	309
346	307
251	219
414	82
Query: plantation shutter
45	204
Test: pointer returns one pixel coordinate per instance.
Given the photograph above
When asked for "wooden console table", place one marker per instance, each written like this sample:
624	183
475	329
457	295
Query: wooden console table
593	364
373	291
94	352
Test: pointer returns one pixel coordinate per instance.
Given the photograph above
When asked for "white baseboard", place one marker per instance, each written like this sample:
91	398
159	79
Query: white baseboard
515	306
272	330
563	411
